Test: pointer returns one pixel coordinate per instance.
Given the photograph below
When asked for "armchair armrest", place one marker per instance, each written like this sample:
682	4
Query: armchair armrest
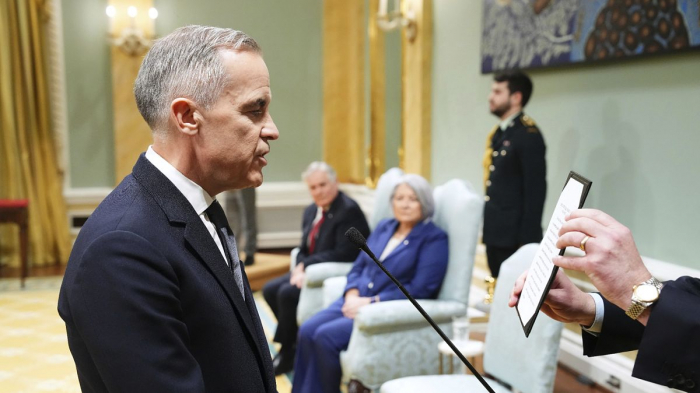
396	315
333	288
316	274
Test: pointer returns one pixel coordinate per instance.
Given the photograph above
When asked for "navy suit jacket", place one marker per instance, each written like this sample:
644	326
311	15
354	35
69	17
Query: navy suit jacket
331	244
669	346
419	263
149	303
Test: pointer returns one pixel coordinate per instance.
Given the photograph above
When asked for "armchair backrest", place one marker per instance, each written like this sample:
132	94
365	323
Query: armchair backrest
529	364
382	195
458	211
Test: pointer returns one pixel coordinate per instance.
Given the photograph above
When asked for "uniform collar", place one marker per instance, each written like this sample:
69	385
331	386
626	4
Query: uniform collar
508	121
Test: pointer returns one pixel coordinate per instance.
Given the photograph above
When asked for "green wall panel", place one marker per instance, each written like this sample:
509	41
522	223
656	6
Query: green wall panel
631	127
88	93
289	33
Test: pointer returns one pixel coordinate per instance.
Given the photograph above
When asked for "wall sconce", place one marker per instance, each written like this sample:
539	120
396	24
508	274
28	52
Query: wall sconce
132	39
395	19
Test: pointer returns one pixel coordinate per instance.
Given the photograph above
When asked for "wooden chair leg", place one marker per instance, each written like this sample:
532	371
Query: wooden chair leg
24	251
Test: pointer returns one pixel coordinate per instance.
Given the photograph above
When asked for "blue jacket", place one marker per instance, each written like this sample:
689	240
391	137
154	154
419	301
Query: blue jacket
419	263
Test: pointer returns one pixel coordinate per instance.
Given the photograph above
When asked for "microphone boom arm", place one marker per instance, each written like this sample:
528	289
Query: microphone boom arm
425	315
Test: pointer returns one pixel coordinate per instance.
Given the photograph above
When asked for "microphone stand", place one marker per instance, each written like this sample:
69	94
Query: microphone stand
420	309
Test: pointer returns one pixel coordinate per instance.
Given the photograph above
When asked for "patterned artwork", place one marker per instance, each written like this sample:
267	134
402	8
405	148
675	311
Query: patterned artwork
542	33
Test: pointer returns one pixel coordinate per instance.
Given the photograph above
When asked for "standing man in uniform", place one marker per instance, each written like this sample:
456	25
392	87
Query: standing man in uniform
514	172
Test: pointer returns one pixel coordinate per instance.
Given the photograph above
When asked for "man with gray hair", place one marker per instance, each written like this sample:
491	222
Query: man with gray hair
323	226
154	297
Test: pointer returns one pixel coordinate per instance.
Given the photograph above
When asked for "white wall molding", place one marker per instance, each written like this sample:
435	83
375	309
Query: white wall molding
85	196
279	208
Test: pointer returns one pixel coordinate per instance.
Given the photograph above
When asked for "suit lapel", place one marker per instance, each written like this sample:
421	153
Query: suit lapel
179	211
262	340
383	237
202	243
413	236
325	230
311	213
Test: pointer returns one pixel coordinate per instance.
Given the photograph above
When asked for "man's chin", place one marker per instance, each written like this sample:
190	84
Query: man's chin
257	180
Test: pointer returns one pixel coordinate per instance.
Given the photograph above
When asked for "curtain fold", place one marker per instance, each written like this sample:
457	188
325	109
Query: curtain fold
28	159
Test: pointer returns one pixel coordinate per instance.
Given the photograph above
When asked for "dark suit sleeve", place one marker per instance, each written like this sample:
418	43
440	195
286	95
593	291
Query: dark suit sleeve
534	167
670	347
620	333
126	310
343	250
429	273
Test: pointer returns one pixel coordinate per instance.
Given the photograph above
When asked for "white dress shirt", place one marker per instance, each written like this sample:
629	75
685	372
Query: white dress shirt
196	196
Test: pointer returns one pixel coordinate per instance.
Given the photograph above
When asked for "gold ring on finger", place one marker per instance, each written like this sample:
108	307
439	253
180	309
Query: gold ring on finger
583	243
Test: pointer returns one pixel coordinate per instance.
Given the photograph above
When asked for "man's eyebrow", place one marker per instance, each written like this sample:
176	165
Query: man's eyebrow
256	103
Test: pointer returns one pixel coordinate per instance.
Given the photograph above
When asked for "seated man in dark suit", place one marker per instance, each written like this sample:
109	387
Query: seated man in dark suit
324	224
635	311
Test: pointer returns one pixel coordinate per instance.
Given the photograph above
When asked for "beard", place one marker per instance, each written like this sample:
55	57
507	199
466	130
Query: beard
502	109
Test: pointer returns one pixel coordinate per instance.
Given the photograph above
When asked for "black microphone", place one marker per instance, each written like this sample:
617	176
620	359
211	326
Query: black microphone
358	240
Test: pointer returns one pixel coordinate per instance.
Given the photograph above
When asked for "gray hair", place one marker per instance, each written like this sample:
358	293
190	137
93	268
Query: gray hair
186	63
423	190
319	166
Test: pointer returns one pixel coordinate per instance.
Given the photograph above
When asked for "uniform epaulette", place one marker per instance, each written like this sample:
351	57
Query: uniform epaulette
527	120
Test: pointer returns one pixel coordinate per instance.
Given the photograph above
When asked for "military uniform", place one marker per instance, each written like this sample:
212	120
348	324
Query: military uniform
516	185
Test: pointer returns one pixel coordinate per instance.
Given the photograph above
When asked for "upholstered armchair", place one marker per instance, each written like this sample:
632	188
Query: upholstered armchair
528	365
391	339
311	299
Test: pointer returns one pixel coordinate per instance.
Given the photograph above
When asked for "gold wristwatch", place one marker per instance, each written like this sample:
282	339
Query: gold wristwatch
643	296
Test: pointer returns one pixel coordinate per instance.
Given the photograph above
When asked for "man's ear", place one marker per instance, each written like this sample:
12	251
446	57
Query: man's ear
186	117
517	98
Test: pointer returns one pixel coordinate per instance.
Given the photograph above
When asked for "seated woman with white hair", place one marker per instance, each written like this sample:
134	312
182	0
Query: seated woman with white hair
411	247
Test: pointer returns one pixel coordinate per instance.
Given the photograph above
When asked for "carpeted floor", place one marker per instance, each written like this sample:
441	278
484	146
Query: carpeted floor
34	354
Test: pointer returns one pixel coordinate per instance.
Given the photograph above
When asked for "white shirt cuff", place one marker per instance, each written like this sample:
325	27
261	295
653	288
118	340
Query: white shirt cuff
597	325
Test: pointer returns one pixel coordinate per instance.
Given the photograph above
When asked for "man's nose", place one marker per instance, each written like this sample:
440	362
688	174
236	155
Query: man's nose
270	130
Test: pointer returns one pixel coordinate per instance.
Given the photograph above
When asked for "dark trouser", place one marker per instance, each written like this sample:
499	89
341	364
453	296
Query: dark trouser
496	255
283	298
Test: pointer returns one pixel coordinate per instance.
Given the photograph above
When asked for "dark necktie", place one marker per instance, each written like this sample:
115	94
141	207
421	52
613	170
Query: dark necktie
218	218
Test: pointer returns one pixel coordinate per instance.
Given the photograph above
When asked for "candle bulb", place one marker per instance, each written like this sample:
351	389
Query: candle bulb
382	6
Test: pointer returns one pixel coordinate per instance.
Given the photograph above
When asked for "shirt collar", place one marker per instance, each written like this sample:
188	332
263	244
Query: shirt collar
506	123
198	198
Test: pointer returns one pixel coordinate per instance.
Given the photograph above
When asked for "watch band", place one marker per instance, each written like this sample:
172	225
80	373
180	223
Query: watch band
635	310
637	307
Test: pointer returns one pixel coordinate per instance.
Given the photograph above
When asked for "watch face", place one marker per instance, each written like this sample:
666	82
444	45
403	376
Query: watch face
647	293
